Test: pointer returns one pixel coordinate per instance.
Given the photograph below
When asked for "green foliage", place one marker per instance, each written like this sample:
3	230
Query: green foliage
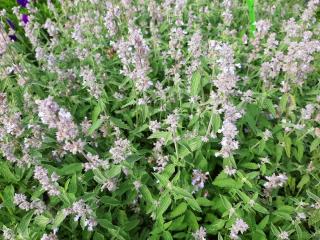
149	164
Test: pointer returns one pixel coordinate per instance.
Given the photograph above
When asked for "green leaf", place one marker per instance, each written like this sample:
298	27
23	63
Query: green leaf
259	208
167	235
23	227
182	192
269	105
167	136
95	126
119	123
300	150
8	195
287	145
283	103
314	145
6	173
216	226
304	180
58	219
191	220
162	179
110	201
73	184
70	169
313	196
114	171
264	222
179	210
95	113
259	234
41	220
314	217
98	236
147	196
274	230
193	204
195	84
226	183
202	201
298	231
165	201
105	223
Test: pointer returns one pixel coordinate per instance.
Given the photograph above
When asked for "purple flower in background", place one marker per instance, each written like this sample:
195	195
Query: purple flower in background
11	24
23	3
25	18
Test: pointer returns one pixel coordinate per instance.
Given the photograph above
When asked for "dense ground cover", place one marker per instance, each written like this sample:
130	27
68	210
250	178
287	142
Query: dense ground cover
174	119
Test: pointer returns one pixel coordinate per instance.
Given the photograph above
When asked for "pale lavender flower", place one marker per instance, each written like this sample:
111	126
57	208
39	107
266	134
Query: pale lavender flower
198	179
230	171
274	182
8	152
306	113
51	236
90	81
310	11
267	134
21	201
81	210
283	235
135	52
172	122
48	110
301	216
195	52
67	130
265	160
112	13
262	27
90	224
227	17
39	206
51	27
110	184
162	161
137	185
229	130
239	226
120	150
8	234
227	78
74	146
4	41
200	234
48	183
85	125
310	167
154	126
94	162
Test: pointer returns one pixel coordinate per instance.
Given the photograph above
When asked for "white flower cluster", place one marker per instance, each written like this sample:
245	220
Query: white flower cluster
198	179
82	211
21	201
274	182
135	52
94	162
47	183
4	40
200	234
55	117
239	226
120	150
